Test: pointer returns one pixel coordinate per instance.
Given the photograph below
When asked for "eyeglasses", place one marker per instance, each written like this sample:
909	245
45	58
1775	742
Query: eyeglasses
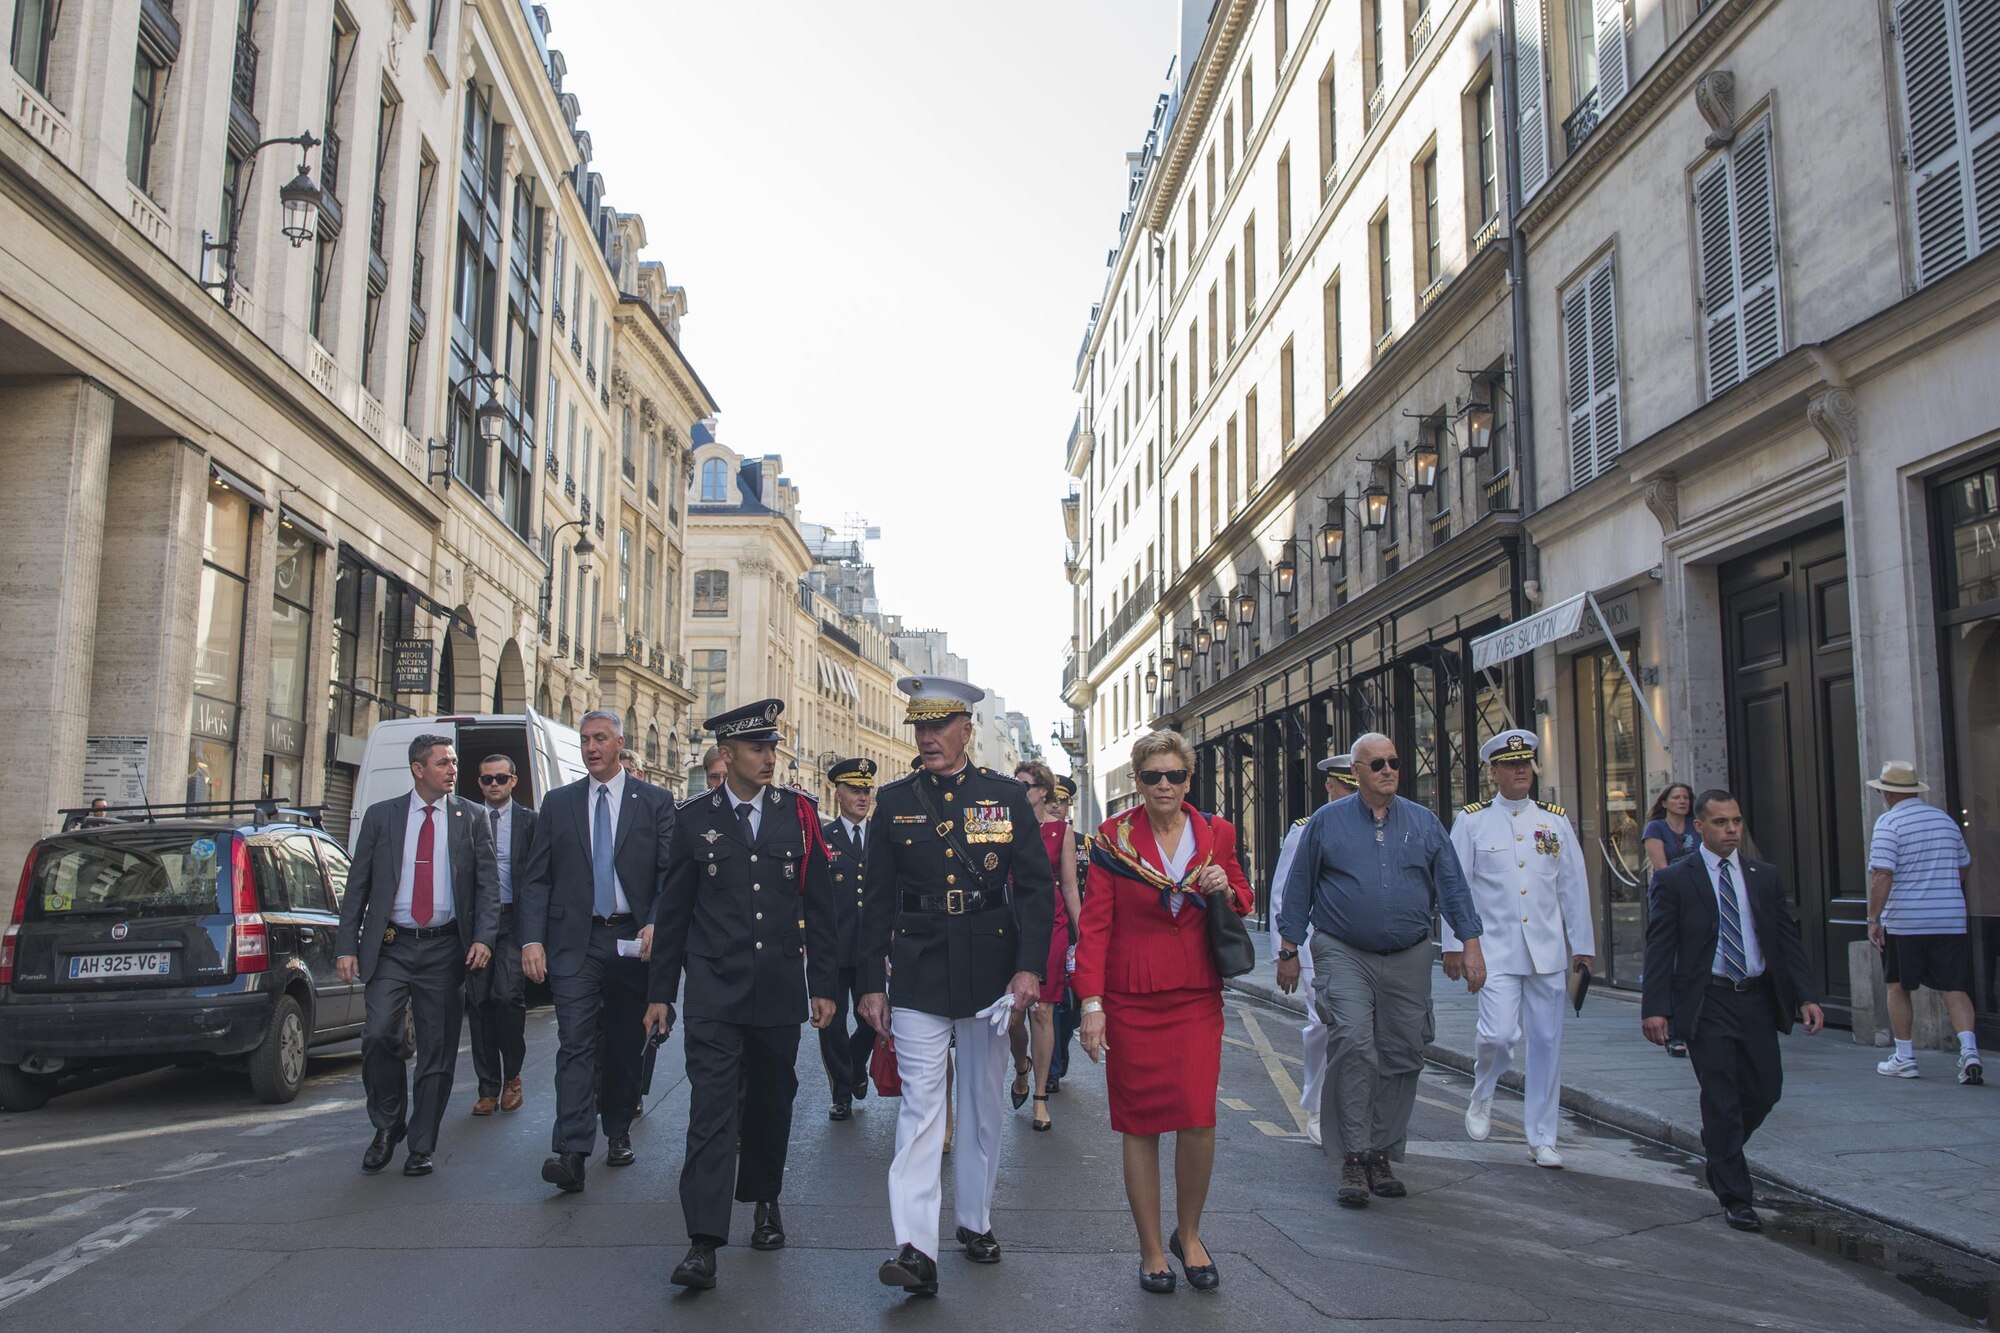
1392	764
1149	777
495	779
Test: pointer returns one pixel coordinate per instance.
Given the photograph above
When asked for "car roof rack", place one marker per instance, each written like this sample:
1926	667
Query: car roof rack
266	810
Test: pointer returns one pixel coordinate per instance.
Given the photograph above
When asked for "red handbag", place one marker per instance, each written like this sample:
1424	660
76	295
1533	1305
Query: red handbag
882	1068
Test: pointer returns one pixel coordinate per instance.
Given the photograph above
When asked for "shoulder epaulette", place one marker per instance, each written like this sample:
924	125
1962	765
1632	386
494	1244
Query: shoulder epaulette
1473	808
1550	806
698	796
801	791
1301	821
898	782
1004	777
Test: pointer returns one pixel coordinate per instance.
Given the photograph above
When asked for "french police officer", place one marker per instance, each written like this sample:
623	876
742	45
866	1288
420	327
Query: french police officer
1527	878
946	844
845	1054
746	895
1339	779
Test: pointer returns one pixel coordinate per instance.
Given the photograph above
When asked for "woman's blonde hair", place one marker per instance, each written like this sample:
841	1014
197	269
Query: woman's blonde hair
1161	742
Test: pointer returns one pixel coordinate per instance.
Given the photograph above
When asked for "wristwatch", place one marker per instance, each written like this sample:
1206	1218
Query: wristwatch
1287	955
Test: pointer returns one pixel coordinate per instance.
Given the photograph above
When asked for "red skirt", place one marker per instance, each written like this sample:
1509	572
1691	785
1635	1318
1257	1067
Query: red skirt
1165	1059
1057	973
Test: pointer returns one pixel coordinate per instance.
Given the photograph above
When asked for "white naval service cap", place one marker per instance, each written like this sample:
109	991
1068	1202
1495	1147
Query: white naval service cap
1515	743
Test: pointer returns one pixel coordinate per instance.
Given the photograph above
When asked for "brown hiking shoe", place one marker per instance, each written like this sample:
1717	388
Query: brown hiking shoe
1381	1179
1353	1181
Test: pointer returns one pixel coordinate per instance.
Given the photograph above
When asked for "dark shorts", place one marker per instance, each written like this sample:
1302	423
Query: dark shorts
1942	962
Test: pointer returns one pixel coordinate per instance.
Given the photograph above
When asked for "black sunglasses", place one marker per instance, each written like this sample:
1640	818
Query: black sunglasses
494	779
1150	776
1377	765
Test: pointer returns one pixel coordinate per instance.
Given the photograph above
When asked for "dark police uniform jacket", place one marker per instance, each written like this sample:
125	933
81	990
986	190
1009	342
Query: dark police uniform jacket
750	925
850	862
945	962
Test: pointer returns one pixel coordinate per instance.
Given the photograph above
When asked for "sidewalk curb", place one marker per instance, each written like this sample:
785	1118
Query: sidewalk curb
1648	1123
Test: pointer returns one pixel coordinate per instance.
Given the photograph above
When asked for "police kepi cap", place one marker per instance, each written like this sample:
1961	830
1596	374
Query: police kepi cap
751	722
935	698
853	773
1513	744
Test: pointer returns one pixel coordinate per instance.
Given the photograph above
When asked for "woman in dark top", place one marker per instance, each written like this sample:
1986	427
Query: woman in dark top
1668	836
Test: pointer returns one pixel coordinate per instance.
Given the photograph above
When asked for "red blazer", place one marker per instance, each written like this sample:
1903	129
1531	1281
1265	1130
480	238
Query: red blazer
1128	940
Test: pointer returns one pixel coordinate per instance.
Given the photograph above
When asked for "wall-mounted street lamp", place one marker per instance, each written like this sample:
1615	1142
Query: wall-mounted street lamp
1424	464
1285	573
1153	676
1203	639
1218	616
1184	645
1332	534
1478	418
1246	599
300	198
1375	507
584	549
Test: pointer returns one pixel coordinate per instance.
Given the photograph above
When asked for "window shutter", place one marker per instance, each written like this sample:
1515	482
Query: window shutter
1716	256
1751	183
1529	95
1576	377
1951	106
1612	78
1604	405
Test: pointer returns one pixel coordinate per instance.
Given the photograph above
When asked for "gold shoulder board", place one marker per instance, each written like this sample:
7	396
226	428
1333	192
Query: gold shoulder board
1474	808
1550	807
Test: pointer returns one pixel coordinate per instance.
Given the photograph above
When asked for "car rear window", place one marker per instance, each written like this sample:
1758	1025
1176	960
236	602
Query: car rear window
149	872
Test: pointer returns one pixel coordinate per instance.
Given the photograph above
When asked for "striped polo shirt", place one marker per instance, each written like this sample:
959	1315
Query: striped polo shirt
1923	849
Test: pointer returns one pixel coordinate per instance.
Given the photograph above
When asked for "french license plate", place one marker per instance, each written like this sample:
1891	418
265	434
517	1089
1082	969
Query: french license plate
84	967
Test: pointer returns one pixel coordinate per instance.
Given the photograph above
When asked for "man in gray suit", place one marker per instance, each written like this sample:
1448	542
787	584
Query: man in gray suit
496	1002
584	917
421	908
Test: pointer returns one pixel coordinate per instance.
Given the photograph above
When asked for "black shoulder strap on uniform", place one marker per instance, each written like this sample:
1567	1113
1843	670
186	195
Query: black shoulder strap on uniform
949	832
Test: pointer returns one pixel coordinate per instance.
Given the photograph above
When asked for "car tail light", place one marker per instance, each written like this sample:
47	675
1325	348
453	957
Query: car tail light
8	940
250	938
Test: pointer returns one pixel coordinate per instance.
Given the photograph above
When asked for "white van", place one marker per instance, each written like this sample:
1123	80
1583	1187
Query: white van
546	754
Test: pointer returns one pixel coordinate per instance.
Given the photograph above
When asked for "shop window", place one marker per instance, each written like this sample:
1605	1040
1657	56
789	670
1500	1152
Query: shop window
218	661
291	663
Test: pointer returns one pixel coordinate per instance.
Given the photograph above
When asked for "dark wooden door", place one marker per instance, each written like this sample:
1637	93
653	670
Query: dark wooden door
1794	756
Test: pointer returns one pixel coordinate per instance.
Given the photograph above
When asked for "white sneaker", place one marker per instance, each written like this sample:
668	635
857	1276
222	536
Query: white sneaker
1479	1119
1312	1129
1898	1067
1970	1071
1542	1154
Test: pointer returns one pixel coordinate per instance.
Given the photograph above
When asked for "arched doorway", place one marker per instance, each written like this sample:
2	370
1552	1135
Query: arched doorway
568	713
510	680
543	704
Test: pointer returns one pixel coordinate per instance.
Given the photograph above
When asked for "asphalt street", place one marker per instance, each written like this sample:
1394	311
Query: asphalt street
172	1200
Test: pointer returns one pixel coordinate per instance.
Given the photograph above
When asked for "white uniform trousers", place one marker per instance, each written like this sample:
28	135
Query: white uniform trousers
1508	1003
916	1188
1313	1034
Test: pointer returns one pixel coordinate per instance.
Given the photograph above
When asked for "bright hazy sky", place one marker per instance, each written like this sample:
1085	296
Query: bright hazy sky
891	218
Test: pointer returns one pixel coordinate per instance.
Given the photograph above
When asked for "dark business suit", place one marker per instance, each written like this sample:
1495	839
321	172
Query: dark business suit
1732	1034
426	975
750	924
496	1000
845	1054
554	900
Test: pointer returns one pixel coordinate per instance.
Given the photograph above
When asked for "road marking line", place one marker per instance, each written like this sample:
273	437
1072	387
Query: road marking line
1288	1059
31	1278
219	1122
287	1156
1272	1131
191	1161
1288	1091
1235	1103
69	1212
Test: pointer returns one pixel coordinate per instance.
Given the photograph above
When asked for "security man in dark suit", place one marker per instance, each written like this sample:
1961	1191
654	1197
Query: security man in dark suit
1726	972
584	914
746	895
419	911
961	899
845	1054
496	1001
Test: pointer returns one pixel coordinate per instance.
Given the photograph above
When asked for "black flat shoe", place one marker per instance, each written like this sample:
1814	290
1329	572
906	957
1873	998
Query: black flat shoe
1054	1084
861	1090
1743	1217
618	1151
564	1170
769	1233
840	1111
380	1148
912	1270
982	1247
1160	1284
1040	1125
697	1271
1202	1277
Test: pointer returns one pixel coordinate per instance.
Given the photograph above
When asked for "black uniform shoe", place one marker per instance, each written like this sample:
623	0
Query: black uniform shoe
417	1164
618	1151
380	1148
841	1111
1054	1084
1202	1277
564	1170
1743	1217
912	1270
697	1271
769	1232
861	1089
980	1246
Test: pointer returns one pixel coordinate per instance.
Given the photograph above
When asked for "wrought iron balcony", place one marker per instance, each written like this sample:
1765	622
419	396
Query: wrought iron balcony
562	643
677	670
549	461
1581	121
378	218
598	524
575	344
329	162
583	509
569	488
545	628
556	313
243	77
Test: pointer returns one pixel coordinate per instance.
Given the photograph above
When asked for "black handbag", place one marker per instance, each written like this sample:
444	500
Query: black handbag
1228	938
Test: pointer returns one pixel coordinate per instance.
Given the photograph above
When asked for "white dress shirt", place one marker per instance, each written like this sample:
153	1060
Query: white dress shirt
756	808
406	884
1753	957
614	793
503	833
853	831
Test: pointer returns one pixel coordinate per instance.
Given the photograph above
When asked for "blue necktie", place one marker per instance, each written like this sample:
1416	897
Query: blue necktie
1734	964
604	876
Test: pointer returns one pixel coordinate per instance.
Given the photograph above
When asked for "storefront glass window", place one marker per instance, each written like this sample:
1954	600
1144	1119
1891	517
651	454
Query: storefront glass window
1611	813
291	663
1421	767
218	659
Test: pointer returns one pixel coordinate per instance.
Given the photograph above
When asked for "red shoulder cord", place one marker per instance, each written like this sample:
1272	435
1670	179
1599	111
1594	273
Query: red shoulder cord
813	839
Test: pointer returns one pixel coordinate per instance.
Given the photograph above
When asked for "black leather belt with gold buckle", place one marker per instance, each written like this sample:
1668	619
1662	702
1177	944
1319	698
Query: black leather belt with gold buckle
953	902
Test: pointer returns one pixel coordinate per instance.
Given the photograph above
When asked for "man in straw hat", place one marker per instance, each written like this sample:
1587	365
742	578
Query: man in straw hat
1916	915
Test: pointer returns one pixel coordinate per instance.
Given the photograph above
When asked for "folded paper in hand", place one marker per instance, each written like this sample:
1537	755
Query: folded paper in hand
628	948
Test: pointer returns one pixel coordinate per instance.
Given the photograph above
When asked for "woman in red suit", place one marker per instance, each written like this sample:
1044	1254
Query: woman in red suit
1152	999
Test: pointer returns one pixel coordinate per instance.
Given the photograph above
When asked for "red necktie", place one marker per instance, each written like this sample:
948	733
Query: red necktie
420	885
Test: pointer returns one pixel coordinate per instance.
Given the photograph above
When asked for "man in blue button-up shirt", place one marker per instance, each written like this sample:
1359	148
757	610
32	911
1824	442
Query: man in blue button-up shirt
1370	870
